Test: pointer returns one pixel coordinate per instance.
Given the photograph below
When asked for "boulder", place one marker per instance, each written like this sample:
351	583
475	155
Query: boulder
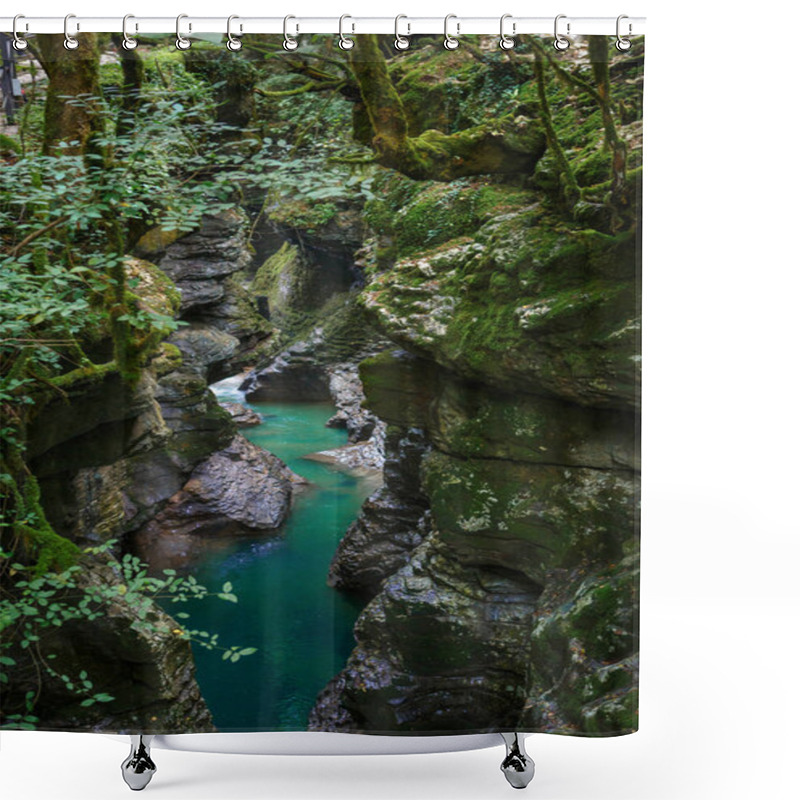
204	348
244	417
240	489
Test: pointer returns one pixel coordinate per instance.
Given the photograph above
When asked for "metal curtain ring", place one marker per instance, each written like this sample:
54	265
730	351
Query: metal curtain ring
560	42
449	42
181	42
70	42
289	43
234	42
128	42
400	42
344	42
19	43
506	42
623	44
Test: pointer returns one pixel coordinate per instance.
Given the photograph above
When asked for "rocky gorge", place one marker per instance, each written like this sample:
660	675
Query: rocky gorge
459	304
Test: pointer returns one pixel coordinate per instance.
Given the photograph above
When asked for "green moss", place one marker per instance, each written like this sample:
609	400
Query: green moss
593	168
40	543
307	215
168	359
9	145
616	714
529	517
278	263
155	241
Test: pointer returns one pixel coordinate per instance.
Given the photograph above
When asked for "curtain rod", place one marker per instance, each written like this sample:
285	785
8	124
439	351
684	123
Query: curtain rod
191	25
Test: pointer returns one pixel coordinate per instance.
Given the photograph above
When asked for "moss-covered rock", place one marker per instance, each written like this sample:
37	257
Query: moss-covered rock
526	303
583	668
530	517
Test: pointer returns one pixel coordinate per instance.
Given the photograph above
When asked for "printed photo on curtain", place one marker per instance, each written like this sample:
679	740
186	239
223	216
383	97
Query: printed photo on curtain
319	375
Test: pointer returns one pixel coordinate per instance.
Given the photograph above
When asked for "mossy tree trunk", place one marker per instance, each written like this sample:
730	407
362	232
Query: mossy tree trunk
132	80
569	186
598	53
73	116
74	79
508	145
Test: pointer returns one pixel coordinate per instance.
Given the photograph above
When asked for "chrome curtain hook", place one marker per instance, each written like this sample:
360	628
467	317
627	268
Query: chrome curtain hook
450	43
70	42
289	43
181	42
560	42
128	42
400	42
234	42
19	43
344	42
506	42
623	44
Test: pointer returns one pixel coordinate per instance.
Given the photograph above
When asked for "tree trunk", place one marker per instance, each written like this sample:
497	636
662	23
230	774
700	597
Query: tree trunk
132	80
598	53
72	73
508	145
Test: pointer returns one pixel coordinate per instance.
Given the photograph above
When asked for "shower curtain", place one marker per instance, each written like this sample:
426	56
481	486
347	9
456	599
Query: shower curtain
319	372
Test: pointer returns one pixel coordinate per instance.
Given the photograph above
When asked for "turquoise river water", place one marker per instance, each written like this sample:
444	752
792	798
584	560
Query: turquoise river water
302	628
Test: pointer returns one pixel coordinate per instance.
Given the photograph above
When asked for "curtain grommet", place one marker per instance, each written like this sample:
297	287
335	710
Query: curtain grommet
234	43
506	42
622	44
345	43
450	42
19	43
560	43
181	42
70	42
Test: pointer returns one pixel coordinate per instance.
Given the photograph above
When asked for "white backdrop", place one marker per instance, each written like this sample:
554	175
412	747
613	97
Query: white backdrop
721	605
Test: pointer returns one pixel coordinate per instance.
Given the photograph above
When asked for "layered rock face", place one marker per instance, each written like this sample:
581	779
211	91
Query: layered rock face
510	603
226	330
392	521
310	290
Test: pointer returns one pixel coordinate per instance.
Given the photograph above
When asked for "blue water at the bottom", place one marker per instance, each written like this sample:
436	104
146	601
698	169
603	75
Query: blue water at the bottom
302	628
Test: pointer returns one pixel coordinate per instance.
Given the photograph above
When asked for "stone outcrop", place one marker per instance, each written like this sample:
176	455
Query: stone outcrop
208	267
463	630
240	489
392	521
364	452
503	584
347	393
243	417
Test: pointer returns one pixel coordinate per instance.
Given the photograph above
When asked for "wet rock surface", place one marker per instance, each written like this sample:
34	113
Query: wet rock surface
365	451
441	648
392	522
519	366
208	267
244	417
241	489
